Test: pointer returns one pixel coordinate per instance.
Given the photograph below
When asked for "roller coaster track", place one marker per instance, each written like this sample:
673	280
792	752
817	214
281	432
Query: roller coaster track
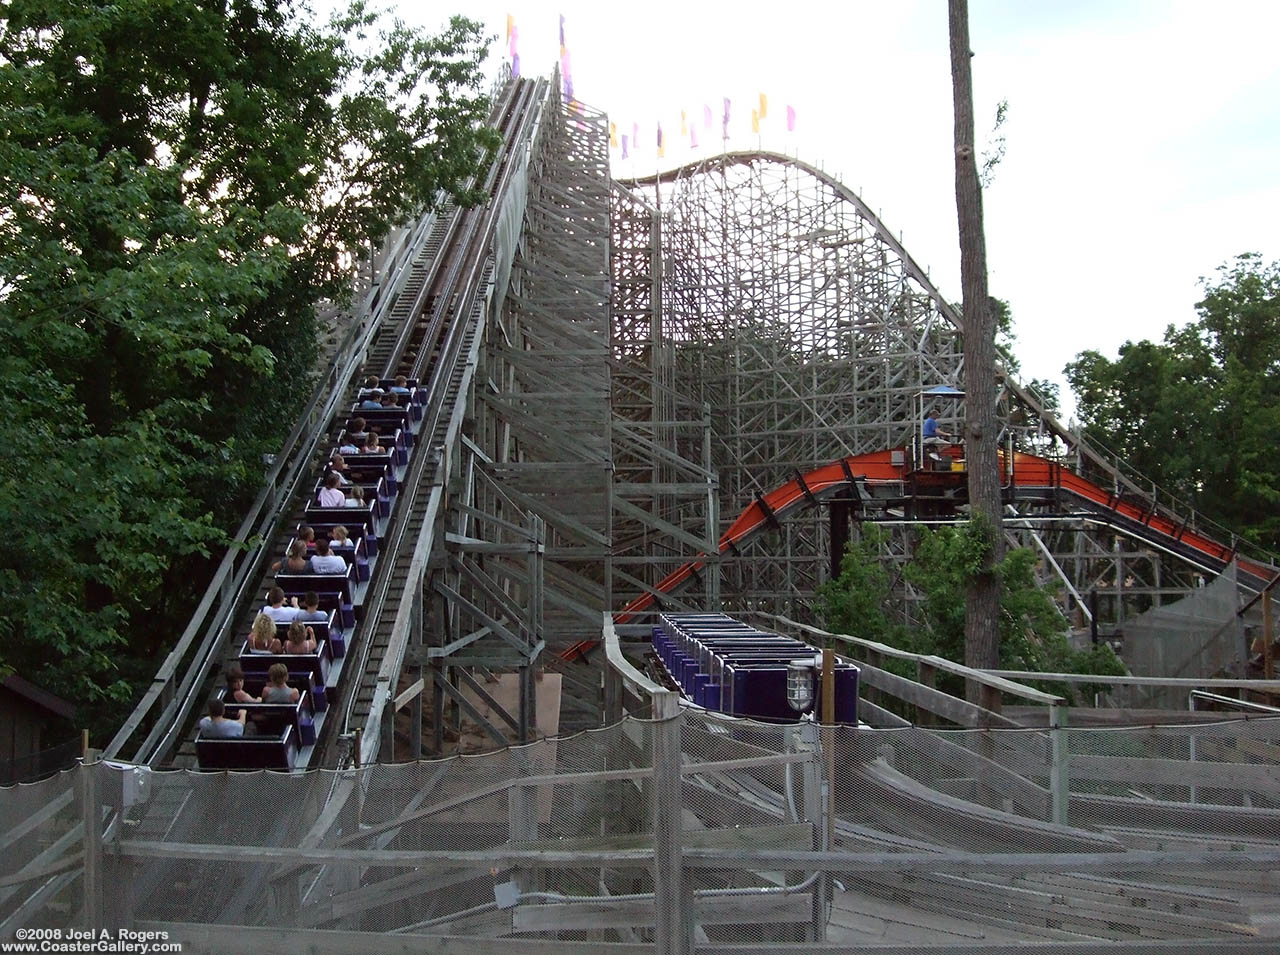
424	320
876	476
1096	457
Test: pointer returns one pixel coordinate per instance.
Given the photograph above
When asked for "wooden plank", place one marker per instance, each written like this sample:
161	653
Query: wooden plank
397	888
1120	861
1020	903
1146	895
254	940
753	909
796	835
1135	771
935	701
45	812
408	693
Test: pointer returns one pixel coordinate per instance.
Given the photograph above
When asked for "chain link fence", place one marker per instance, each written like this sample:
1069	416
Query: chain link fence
688	831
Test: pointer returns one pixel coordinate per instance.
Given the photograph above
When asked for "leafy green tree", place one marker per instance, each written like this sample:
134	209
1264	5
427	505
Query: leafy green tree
857	601
1197	413
181	183
1033	631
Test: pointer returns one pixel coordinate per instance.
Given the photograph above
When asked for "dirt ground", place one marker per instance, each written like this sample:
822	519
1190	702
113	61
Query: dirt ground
505	690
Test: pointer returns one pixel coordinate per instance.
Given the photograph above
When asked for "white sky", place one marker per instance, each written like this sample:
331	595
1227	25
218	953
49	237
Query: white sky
1143	138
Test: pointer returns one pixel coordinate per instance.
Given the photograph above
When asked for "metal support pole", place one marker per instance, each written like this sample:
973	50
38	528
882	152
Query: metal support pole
1059	771
522	826
673	914
829	765
91	815
813	814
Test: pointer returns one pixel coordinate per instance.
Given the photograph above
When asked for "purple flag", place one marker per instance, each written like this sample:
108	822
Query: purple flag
515	66
562	31
693	137
635	133
791	119
566	75
624	145
725	127
706	116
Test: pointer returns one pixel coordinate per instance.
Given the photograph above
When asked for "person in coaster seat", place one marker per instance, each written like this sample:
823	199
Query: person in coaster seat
217	726
301	639
324	562
331	494
278	690
262	638
311	612
296	562
338	465
277	609
236	692
355	433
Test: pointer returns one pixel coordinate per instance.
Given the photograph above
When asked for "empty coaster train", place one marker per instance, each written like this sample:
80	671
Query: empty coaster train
731	667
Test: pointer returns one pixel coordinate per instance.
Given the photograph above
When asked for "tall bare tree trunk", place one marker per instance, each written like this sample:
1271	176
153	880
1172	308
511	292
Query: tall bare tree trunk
982	604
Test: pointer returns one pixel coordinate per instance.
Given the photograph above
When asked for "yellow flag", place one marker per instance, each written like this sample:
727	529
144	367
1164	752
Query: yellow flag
764	106
755	120
684	123
511	21
613	135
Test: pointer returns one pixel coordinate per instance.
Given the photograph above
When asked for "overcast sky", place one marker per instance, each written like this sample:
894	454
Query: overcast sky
1143	138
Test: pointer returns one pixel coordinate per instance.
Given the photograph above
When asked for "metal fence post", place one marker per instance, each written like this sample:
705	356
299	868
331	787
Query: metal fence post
522	826
672	920
814	804
91	816
1059	770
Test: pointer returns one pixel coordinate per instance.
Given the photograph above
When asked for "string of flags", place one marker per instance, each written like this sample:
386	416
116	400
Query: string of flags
566	75
629	143
690	134
512	36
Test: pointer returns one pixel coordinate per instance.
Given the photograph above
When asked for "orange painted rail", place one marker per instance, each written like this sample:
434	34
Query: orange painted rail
1029	472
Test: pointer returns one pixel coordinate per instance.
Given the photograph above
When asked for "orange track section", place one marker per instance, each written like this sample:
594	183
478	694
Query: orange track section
1029	471
875	467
